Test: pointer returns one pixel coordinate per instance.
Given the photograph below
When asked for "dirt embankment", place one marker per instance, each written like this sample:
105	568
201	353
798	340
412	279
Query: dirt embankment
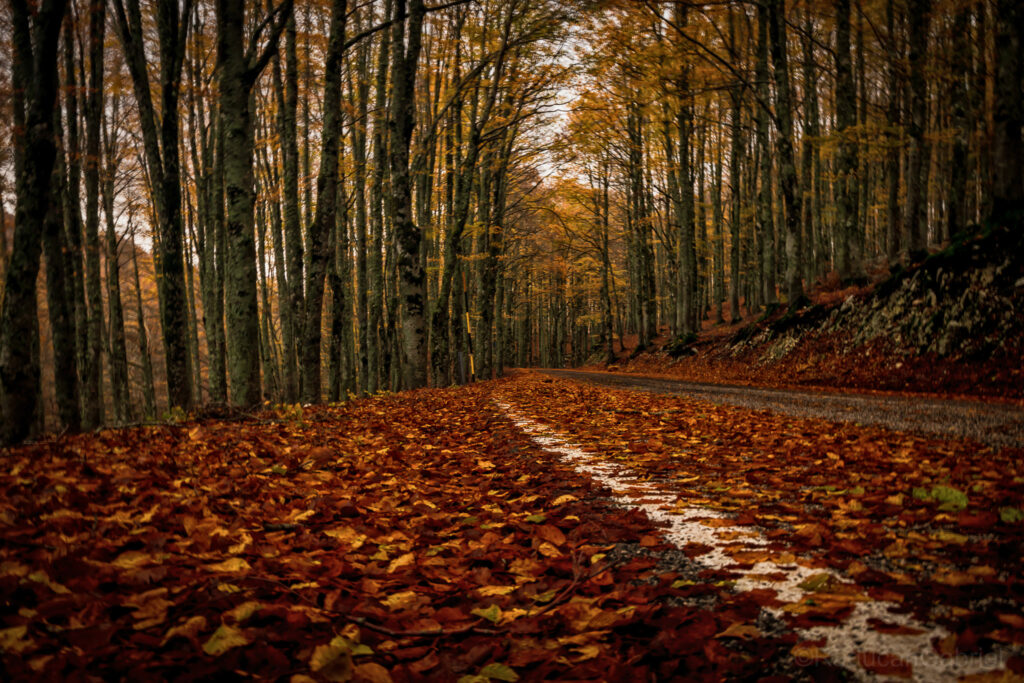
950	325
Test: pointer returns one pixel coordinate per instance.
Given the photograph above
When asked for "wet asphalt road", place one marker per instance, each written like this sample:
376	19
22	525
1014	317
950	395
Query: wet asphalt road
994	424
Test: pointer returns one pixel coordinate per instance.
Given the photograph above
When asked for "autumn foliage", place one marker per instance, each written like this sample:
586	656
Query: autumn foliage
424	536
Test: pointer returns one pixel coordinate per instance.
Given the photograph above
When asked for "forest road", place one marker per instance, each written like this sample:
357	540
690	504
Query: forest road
994	424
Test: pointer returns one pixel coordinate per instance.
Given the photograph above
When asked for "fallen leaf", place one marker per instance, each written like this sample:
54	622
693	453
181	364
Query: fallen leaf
333	660
234	564
223	639
740	630
491	613
499	672
401	561
13	640
188	630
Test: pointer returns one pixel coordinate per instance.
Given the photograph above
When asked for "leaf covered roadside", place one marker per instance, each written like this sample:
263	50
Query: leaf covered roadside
424	537
411	537
934	526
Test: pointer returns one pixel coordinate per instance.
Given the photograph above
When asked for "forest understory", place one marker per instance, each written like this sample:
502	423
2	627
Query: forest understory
950	326
527	528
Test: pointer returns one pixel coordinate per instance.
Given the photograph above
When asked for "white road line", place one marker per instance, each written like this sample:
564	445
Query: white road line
845	642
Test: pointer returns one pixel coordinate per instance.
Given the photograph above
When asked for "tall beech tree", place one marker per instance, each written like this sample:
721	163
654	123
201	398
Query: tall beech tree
326	207
239	65
35	35
406	42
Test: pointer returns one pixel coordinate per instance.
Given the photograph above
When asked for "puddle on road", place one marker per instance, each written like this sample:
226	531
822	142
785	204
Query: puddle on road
847	643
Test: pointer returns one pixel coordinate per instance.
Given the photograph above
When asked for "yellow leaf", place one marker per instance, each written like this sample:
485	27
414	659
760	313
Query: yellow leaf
41	577
563	499
235	564
950	537
189	630
348	536
10	568
491	613
333	660
510	615
223	639
371	672
132	559
244	611
587	652
548	550
490	591
402	561
402	600
13	640
243	541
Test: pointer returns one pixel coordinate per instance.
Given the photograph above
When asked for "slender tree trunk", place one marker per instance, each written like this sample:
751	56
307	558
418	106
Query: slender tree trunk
292	302
787	162
115	308
236	127
148	392
93	115
326	206
61	307
846	122
765	222
360	94
238	69
408	235
894	228
1008	118
811	179
917	209
956	217
376	342
69	160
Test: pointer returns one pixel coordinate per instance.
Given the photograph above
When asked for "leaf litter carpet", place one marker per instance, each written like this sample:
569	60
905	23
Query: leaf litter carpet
522	529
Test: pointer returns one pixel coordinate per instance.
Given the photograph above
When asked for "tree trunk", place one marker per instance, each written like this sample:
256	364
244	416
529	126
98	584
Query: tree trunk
93	384
238	69
115	308
408	235
1008	157
917	210
846	122
34	73
894	228
148	392
765	222
61	308
787	163
326	206
376	368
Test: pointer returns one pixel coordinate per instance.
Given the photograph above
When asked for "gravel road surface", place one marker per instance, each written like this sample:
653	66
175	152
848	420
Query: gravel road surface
995	424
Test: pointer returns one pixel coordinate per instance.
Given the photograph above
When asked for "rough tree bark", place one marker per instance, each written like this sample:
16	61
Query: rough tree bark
34	69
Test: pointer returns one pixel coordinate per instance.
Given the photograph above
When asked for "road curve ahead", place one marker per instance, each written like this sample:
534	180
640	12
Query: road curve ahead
995	424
